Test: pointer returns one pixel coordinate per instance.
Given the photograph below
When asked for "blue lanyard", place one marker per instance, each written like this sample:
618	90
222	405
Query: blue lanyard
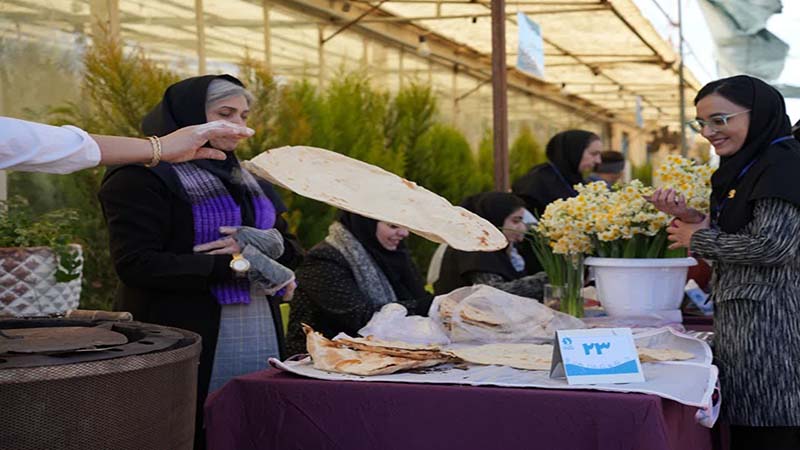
718	210
781	139
564	180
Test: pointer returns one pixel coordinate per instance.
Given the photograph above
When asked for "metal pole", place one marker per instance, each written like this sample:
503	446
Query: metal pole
400	69
320	57
200	28
682	81
499	96
266	8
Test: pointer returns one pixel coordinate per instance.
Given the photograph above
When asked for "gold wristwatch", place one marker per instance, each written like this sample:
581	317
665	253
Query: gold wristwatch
239	264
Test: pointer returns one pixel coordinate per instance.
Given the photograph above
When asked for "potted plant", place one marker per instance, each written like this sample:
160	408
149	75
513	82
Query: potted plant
635	272
40	266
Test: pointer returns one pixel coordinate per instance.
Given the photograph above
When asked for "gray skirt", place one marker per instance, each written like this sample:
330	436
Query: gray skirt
246	339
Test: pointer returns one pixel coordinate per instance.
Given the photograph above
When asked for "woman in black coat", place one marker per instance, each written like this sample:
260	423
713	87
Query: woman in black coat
172	257
360	266
503	269
752	235
570	154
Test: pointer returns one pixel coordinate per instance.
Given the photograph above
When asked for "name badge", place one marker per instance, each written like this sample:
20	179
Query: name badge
600	355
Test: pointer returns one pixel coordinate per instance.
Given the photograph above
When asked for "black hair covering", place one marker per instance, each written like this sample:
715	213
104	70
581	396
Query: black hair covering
184	104
776	164
565	151
796	130
456	264
548	182
395	264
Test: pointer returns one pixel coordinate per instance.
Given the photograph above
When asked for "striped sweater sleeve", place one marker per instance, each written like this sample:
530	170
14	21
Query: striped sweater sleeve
771	238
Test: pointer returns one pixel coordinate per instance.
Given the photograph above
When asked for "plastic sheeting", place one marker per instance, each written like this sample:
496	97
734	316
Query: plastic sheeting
742	40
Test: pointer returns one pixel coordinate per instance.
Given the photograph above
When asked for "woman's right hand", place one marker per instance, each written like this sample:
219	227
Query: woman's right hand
674	204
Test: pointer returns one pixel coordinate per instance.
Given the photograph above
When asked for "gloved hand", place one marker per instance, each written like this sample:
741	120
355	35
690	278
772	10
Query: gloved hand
267	274
269	242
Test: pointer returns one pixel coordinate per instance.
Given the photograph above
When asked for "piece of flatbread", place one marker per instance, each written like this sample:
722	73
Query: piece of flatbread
662	354
520	356
392	348
370	191
332	356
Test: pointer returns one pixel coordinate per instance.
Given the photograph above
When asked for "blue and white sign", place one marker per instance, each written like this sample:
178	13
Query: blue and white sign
530	48
600	355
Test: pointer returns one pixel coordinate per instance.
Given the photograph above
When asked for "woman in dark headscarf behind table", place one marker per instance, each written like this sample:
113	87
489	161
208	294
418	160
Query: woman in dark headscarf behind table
753	237
570	154
175	228
504	269
360	266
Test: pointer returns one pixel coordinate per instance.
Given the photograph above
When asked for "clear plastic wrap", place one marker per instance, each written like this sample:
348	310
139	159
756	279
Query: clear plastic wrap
482	313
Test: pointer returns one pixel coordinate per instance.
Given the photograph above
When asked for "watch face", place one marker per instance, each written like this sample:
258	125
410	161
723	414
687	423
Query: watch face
240	265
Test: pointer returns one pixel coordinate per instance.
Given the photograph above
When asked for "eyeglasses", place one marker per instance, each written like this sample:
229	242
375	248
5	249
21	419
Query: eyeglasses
716	123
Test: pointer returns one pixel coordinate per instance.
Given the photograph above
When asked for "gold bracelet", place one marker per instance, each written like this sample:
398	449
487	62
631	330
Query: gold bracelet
155	142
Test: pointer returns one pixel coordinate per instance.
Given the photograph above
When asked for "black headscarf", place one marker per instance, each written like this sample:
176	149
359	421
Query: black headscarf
456	264
775	162
184	104
554	180
395	264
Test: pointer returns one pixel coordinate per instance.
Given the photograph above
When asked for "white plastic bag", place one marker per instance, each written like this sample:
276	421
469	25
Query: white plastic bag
392	323
485	314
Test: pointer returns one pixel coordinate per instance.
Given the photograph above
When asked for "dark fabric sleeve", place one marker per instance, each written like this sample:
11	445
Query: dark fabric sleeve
292	250
772	238
138	210
417	306
331	287
531	286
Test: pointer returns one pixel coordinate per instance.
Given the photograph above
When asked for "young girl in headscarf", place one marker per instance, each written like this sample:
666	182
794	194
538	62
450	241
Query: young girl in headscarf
570	154
175	228
504	269
361	265
753	238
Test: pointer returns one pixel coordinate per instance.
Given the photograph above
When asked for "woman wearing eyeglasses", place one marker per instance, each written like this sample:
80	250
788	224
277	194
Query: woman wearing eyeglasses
752	236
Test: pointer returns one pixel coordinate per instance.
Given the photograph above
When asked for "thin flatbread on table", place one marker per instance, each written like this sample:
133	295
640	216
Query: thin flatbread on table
647	354
391	348
538	357
370	191
332	356
520	356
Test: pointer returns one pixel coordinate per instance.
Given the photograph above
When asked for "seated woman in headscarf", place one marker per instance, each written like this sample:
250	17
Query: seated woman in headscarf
361	265
503	269
570	154
183	237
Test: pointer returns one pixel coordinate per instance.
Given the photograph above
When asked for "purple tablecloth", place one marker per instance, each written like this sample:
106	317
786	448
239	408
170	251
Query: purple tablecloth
281	411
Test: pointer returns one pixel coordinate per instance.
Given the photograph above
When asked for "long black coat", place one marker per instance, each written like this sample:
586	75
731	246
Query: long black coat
162	281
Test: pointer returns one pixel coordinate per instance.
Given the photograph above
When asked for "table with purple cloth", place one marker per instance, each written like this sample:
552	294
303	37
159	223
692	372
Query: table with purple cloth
282	411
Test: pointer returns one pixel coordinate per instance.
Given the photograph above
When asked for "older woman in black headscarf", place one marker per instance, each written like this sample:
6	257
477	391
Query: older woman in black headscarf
570	154
504	269
199	245
753	237
361	265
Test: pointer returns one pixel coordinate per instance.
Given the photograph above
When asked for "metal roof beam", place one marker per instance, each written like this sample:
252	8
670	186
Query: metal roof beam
470	16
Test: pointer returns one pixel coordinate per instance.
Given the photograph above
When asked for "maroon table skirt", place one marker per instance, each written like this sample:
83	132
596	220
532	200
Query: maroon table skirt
281	411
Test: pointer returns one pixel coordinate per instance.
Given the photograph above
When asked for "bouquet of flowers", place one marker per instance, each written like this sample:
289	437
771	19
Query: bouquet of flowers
612	223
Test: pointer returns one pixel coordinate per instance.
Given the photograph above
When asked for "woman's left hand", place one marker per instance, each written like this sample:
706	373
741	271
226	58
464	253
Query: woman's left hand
680	233
224	246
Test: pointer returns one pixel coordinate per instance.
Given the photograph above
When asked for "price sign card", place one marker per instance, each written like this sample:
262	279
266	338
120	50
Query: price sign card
600	355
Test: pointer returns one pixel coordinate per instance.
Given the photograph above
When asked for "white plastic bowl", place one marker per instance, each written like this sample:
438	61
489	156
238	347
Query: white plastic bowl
640	286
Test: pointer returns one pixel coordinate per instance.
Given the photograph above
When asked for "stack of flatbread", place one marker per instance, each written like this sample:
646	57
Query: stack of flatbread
370	191
367	356
486	314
